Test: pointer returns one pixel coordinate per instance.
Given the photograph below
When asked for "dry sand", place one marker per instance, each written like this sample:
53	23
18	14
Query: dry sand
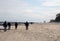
36	32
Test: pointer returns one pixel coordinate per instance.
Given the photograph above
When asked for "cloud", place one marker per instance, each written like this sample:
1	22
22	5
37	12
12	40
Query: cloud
51	3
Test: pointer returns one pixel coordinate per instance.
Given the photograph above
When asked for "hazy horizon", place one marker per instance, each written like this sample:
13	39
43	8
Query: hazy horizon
29	10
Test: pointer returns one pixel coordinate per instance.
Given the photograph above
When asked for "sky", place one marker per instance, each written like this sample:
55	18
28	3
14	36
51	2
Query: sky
29	10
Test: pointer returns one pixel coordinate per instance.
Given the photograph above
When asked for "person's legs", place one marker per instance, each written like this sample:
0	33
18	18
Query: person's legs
5	29
26	27
15	27
9	28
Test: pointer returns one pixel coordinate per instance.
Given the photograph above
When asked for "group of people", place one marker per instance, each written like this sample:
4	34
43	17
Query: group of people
5	24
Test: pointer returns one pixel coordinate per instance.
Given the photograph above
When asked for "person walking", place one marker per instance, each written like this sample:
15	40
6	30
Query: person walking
26	24
16	24
5	26
9	25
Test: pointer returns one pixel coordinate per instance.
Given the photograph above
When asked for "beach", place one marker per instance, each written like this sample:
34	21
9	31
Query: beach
36	32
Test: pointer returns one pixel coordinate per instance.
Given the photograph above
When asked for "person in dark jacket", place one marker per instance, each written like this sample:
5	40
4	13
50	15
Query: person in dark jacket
9	25
5	26
16	24
26	24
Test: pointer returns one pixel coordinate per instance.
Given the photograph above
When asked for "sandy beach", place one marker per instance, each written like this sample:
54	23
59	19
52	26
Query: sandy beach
36	32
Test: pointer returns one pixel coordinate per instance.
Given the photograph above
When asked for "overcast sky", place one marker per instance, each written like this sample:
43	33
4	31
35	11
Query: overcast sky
29	10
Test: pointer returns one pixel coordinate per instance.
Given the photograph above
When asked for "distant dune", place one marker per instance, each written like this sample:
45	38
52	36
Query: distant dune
36	32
